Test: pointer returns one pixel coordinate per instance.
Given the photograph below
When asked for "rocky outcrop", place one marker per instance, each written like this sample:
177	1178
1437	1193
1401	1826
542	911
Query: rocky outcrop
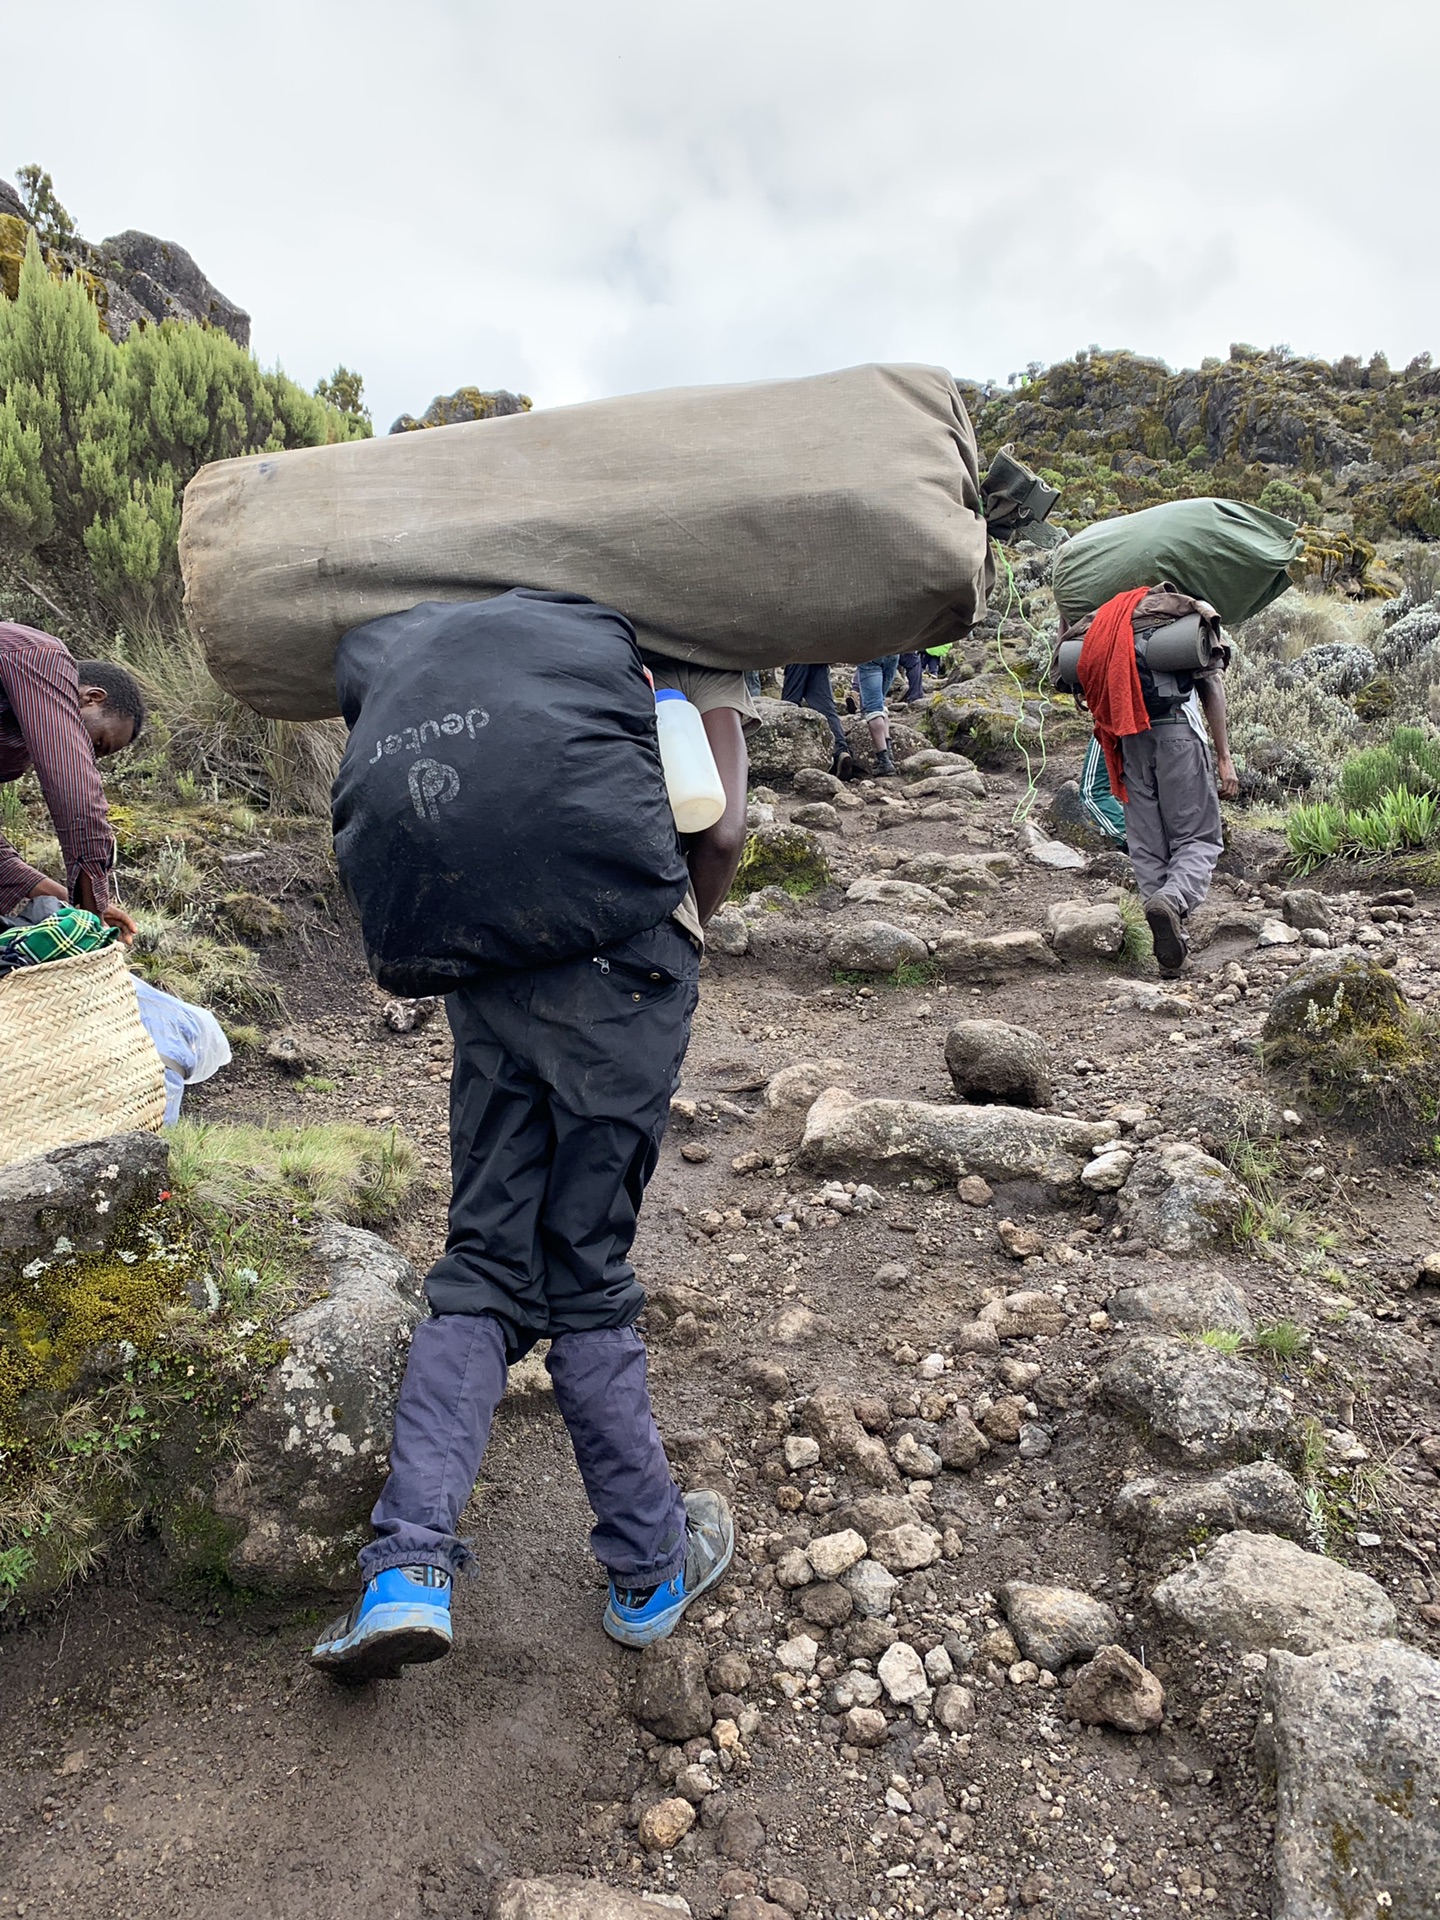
865	1139
311	1451
466	403
1253	1591
1195	1404
1352	1741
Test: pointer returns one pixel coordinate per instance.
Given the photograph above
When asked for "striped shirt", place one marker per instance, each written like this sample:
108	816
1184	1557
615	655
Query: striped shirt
40	727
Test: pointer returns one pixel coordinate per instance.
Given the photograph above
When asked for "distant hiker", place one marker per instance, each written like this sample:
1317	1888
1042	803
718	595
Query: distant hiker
872	680
809	686
914	679
1151	726
501	821
60	716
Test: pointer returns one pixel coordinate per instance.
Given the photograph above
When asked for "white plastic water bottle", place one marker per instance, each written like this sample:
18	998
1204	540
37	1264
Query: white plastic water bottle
692	779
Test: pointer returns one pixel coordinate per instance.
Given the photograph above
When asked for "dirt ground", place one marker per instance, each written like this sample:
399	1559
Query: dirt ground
162	1760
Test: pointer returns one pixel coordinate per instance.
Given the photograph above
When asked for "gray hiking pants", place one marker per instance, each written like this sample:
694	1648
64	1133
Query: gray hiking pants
1172	817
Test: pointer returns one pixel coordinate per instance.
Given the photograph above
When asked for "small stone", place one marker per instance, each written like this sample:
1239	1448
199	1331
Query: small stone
1085	929
665	1824
866	1727
729	1673
793	1569
975	1336
671	1697
902	1674
939	1667
975	1192
1035	1440
798	1655
904	1549
1002	1421
893	1274
914	1459
1054	1625
1023	1673
1114	1690
954	1709
999	1645
766	1377
1275	933
694	1153
694	1783
835	1553
872	1588
961	1444
792	1895
826	1604
741	1837
800	1452
1021	1243
1108	1172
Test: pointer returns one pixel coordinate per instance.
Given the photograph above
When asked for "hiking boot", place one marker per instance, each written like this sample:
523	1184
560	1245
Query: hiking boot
402	1618
843	766
638	1619
1167	927
884	763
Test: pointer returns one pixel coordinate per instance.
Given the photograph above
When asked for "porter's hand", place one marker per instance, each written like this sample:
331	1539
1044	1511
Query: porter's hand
117	917
1229	779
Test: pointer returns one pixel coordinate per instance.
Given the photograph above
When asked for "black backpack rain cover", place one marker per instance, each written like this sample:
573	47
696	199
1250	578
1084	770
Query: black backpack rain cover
501	803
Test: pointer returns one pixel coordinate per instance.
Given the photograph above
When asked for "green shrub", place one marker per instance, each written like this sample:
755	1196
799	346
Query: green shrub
97	440
1367	776
1289	501
1315	833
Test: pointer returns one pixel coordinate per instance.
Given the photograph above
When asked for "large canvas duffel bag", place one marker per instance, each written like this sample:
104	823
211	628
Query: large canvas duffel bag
833	518
1233	555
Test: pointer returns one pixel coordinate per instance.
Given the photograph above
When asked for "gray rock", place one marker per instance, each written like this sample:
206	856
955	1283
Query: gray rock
955	1709
82	1194
728	932
901	1672
905	1549
1114	1690
1058	855
1353	1742
1197	1405
1185	1306
812	784
787	739
1068	820
1055	1625
960	1444
989	1060
672	1697
872	892
872	946
818	815
862	1139
1109	1170
1260	1496
1254	1591
1085	929
972	955
558	1896
1303	907
930	760
150	279
866	1727
1179	1200
871	1587
964	872
314	1445
802	1084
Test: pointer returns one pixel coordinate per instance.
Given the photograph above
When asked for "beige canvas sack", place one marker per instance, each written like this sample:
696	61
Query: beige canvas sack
833	518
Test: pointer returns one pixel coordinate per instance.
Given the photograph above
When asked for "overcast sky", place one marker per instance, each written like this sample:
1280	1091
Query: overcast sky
576	198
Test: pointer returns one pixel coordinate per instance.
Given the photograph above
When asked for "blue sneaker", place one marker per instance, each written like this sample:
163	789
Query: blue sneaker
401	1618
640	1619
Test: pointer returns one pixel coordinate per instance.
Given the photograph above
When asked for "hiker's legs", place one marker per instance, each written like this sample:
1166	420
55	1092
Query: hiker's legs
611	1044
1144	823
809	686
914	679
600	1389
454	1380
1190	809
874	678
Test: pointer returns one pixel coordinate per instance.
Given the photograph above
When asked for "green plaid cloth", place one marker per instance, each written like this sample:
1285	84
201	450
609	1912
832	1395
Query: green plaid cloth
60	936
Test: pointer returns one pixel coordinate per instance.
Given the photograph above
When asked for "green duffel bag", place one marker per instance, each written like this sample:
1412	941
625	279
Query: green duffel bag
1235	556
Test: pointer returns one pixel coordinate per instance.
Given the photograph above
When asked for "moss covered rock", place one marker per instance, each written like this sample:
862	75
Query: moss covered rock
1341	1030
788	857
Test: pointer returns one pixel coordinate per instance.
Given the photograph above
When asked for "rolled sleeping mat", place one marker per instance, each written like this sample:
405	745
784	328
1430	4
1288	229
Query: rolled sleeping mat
1184	646
1066	669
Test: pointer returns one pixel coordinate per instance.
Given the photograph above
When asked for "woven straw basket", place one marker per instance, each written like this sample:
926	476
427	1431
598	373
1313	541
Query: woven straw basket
75	1061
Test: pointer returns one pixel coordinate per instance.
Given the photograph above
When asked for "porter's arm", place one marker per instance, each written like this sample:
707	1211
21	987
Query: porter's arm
1211	688
714	855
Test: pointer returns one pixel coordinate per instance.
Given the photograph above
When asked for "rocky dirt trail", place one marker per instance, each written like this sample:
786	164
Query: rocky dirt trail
1036	1423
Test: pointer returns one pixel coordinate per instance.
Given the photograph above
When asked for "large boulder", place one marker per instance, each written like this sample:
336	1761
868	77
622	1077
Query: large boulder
1195	1404
1207	1302
981	955
989	1060
80	1195
1353	1744
787	739
558	1896
1085	929
312	1449
1259	1496
1255	1591
979	717
873	946
865	1139
787	857
1180	1200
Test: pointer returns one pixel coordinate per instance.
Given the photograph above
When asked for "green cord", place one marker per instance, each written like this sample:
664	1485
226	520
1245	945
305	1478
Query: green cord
1032	774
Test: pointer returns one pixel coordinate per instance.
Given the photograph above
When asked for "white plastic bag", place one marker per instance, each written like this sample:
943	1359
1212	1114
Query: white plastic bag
190	1041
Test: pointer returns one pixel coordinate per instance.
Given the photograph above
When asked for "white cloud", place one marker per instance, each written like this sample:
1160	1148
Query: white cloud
574	199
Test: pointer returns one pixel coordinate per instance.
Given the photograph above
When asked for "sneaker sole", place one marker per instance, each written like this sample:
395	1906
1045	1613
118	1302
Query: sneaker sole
391	1638
635	1634
1169	941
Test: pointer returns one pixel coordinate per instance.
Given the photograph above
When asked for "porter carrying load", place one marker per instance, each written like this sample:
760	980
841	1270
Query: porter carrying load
1234	556
832	518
